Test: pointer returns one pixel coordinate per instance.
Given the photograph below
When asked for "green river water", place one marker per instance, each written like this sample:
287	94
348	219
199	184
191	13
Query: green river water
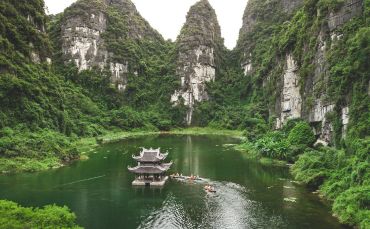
99	191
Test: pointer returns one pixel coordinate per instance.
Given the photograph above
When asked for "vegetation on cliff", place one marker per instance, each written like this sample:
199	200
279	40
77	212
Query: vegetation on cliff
341	173
52	105
47	107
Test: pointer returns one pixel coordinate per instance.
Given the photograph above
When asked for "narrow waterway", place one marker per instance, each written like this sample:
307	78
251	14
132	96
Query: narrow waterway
99	191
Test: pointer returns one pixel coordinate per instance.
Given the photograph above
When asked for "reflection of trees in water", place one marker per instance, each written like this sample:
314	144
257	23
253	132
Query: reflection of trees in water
192	152
290	194
265	174
188	155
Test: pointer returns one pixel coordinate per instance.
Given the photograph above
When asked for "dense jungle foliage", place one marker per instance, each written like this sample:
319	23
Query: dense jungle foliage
14	216
341	174
53	105
46	108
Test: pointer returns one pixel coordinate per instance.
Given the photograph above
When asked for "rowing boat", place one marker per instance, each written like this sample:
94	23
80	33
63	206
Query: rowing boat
187	178
209	189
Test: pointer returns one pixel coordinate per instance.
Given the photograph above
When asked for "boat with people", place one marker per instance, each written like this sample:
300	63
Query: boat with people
186	178
209	188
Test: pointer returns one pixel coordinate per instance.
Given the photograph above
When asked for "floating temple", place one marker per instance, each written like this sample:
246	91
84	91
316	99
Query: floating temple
151	170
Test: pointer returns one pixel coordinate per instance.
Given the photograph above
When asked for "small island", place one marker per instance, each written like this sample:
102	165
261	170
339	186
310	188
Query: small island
150	170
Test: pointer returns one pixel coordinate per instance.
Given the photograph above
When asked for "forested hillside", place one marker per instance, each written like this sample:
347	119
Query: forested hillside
297	84
51	102
310	66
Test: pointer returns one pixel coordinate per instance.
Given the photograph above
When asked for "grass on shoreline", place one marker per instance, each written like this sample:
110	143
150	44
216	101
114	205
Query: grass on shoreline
24	164
207	131
85	145
251	154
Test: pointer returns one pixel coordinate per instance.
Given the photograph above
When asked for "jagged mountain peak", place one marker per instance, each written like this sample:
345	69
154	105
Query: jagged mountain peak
202	3
104	34
199	45
201	26
260	11
119	2
125	5
204	8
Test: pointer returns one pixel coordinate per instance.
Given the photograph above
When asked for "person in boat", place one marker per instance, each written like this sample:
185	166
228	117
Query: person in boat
209	188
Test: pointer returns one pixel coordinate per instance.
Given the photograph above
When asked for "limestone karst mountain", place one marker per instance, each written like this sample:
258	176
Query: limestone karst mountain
298	79
199	47
287	58
105	34
296	96
23	31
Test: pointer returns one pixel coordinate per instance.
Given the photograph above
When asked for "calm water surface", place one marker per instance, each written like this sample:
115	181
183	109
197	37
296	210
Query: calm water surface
99	191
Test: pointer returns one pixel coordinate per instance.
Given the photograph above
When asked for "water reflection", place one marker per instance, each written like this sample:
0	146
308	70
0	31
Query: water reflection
99	191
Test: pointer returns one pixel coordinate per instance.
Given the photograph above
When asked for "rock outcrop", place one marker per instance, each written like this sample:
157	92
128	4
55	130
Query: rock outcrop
82	41
258	11
317	83
315	89
84	29
36	55
263	10
290	100
28	31
349	10
198	47
297	97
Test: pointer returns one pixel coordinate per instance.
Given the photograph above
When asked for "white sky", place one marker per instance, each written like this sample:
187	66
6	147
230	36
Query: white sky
168	16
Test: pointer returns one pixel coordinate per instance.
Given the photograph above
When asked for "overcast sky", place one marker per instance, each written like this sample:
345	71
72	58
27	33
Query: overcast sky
168	16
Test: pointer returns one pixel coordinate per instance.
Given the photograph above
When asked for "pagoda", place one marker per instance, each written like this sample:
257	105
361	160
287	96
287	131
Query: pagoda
150	170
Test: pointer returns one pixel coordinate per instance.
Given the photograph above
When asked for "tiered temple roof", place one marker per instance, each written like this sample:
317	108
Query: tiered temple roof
150	162
150	169
150	155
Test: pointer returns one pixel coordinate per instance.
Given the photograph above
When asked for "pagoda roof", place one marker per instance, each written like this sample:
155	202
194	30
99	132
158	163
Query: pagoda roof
150	155
150	169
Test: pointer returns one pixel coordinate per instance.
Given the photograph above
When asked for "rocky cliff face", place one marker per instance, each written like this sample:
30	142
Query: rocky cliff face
261	12
317	83
349	10
198	47
298	97
290	103
22	30
87	27
82	41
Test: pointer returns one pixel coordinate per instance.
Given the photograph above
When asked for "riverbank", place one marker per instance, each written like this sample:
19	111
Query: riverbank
207	131
338	175
13	215
249	153
86	144
79	147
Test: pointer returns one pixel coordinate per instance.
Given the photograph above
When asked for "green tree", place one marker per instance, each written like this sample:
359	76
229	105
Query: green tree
301	134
